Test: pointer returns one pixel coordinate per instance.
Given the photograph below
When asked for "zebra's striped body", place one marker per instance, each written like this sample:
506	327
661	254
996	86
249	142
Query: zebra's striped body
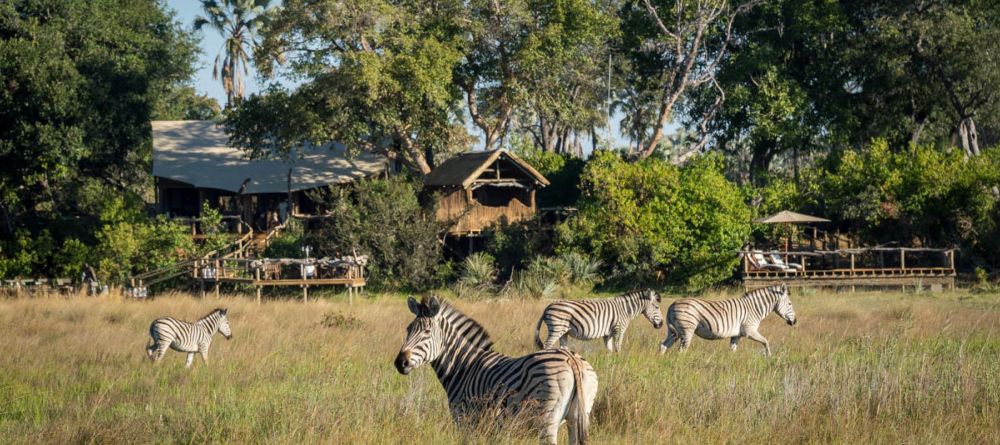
591	319
732	319
168	332
547	386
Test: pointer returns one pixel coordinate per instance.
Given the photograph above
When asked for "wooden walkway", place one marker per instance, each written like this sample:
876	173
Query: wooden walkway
874	266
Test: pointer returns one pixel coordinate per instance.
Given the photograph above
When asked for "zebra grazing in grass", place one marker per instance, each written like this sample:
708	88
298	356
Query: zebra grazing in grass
732	319
546	387
590	319
187	337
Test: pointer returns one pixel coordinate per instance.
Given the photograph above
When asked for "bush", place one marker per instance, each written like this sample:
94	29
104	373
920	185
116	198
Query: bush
128	242
563	172
479	272
383	219
648	218
918	196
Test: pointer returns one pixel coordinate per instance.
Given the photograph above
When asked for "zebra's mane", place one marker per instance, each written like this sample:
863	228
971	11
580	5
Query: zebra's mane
770	293
214	311
466	326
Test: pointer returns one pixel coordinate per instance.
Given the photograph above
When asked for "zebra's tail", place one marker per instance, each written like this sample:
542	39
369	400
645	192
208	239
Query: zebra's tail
579	401
538	332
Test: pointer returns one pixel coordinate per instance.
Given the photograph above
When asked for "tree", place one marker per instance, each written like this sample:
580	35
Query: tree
675	46
239	22
533	61
378	78
80	82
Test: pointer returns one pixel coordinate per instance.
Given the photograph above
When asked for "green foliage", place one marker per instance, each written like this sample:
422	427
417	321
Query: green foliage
651	217
215	234
562	171
479	272
917	196
383	219
288	243
128	242
80	83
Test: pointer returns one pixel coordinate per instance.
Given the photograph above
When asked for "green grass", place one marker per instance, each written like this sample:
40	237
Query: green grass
859	368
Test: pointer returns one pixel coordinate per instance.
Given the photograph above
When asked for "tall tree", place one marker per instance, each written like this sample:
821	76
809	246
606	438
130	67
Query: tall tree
676	46
379	78
79	82
529	67
239	22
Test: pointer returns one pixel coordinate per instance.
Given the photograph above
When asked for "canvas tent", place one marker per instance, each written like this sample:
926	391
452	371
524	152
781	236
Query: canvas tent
194	163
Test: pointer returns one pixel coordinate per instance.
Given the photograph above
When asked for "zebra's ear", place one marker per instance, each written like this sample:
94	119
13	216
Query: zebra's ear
224	311
433	305
413	305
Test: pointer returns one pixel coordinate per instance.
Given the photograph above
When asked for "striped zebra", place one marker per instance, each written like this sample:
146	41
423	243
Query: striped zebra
546	386
187	337
590	319
732	319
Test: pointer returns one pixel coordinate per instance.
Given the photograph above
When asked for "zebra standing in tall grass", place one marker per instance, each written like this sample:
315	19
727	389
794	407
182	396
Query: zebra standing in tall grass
605	317
732	319
168	332
547	386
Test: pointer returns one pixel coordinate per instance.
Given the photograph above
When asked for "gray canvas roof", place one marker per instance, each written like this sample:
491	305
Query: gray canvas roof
464	168
198	153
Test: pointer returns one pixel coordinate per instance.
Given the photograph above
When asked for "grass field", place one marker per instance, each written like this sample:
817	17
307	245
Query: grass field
859	368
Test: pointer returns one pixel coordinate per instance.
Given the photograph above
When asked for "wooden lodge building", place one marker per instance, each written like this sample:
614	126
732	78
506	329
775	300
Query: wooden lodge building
193	163
481	188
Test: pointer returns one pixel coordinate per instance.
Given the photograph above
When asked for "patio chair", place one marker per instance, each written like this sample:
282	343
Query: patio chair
760	261
777	260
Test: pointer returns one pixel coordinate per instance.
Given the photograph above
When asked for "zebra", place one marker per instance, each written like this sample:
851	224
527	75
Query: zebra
547	386
590	319
187	337
732	319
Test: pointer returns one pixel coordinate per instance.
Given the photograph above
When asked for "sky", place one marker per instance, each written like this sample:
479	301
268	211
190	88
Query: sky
211	43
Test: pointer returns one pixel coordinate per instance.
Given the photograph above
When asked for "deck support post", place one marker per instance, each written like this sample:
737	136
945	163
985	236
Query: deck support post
305	293
256	277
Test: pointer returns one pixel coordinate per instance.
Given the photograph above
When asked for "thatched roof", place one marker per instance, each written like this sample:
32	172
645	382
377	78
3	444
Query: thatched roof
787	217
462	170
198	153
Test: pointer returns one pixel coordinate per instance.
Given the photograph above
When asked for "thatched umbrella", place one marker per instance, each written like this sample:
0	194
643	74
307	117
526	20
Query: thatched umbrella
787	218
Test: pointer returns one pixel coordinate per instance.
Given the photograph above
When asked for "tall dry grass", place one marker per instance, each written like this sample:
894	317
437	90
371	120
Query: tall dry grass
859	368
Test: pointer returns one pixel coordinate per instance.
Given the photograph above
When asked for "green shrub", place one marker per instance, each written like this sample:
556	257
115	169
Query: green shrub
479	272
562	170
383	219
647	218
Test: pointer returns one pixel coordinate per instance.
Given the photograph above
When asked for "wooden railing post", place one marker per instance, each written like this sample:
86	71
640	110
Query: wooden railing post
902	259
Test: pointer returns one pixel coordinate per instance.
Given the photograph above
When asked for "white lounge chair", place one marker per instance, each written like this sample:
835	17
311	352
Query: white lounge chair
776	260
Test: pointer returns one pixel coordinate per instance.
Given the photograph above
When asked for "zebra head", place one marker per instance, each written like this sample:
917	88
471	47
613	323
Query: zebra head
423	335
652	308
783	307
224	323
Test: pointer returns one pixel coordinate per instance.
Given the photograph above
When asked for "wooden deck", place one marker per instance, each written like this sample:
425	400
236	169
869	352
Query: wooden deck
302	273
876	266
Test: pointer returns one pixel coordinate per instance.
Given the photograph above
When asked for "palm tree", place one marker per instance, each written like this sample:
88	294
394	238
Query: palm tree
238	21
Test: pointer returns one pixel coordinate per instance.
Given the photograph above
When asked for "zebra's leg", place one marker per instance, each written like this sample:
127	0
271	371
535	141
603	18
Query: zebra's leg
150	348
755	336
734	342
190	360
555	335
161	350
686	336
669	341
204	355
609	342
619	336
